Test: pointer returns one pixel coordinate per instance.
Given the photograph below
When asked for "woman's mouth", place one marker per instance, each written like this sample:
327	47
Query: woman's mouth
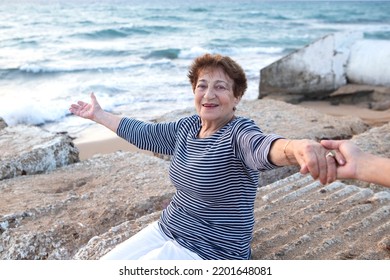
209	105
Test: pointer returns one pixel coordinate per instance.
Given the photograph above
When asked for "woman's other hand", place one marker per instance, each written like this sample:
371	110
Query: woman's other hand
86	110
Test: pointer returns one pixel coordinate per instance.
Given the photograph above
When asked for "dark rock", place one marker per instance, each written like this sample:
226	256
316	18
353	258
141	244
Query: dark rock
373	97
3	124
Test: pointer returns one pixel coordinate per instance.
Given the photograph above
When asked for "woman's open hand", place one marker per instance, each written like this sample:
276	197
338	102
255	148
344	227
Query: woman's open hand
86	110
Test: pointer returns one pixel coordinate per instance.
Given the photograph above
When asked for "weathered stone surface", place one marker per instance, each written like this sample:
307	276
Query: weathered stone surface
100	245
297	74
295	122
52	216
340	59
28	150
376	141
373	97
368	63
298	218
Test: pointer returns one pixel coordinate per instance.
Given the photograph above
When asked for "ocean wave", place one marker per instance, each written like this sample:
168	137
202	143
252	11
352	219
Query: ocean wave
123	32
34	68
193	52
269	50
6	72
197	10
353	18
378	35
255	14
169	53
357	21
85	22
163	17
109	90
19	42
100	52
113	33
5	26
231	51
166	29
278	17
30	112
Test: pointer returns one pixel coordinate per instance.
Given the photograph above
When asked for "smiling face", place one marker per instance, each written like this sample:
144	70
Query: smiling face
214	97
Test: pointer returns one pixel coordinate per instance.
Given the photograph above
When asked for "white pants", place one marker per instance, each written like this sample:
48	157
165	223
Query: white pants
150	244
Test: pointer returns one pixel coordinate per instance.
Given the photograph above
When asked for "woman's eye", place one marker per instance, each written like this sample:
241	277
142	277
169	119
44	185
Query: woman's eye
220	87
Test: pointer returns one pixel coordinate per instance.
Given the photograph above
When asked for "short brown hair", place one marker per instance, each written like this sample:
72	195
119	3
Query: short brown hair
231	68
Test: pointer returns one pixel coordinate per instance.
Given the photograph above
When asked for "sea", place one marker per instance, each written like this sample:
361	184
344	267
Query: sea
134	54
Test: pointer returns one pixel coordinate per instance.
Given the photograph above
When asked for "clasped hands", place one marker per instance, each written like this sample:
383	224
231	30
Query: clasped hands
321	160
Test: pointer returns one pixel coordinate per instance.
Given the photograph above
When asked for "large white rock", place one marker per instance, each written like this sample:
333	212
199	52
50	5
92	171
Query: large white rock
326	65
315	69
369	63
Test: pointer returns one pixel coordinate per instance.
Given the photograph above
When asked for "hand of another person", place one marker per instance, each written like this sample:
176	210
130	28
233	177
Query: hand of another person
351	153
313	158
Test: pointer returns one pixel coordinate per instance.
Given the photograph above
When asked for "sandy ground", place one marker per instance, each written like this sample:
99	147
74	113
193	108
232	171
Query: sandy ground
371	117
100	140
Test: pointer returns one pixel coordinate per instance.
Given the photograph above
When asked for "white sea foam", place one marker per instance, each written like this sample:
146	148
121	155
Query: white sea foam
29	111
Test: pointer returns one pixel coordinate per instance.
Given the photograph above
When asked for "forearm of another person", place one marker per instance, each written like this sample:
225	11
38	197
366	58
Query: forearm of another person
374	169
358	164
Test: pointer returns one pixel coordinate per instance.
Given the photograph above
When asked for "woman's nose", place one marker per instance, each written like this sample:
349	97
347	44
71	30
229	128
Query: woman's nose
209	94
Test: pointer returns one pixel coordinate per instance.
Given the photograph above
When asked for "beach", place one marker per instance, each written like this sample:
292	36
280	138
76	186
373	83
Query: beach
135	55
100	140
97	139
370	117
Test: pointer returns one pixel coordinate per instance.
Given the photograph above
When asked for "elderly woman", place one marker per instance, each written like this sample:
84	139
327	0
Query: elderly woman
216	160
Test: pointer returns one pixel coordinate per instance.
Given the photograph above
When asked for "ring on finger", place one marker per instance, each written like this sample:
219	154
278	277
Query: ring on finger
331	154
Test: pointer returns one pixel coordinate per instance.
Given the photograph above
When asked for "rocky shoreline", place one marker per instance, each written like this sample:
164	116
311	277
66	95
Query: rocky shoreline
72	209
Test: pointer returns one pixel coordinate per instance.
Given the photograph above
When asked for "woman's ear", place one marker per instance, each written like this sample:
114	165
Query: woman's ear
237	100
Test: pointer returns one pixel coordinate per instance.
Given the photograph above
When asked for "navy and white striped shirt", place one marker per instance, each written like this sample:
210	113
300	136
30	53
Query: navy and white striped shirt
216	179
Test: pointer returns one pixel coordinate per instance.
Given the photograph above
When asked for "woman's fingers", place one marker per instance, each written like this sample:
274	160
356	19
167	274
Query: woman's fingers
331	166
320	162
